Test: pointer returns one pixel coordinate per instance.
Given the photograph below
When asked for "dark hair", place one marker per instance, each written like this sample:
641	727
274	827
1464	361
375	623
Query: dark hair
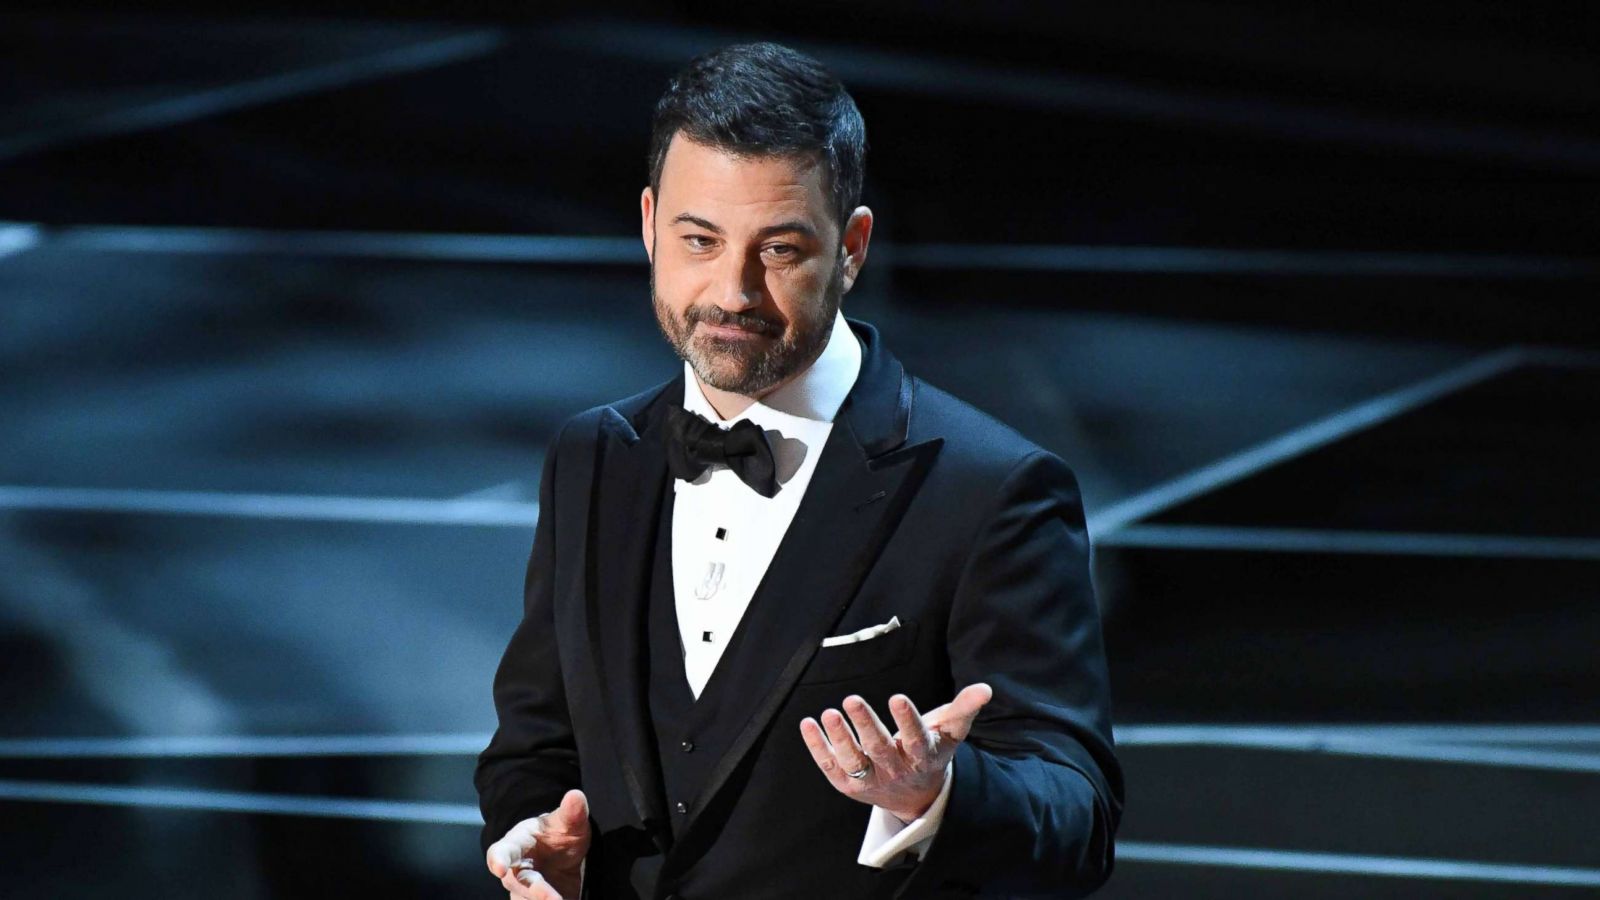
765	99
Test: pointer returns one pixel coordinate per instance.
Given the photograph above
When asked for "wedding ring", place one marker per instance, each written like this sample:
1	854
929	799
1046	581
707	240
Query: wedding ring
863	772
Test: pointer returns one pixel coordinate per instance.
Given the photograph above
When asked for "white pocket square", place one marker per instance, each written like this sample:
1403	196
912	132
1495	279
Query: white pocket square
856	637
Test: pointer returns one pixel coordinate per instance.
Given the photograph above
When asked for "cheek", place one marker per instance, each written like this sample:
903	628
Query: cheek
676	284
797	290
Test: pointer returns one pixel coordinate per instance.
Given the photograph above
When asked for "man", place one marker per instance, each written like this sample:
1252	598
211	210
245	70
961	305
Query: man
749	583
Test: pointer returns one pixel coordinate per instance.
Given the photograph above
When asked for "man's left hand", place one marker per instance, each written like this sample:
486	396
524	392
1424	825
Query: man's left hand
904	772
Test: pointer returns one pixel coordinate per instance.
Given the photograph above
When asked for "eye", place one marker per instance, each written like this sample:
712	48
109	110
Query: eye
698	242
783	251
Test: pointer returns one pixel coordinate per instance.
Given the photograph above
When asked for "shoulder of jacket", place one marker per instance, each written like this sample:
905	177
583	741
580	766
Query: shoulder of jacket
585	426
969	433
987	463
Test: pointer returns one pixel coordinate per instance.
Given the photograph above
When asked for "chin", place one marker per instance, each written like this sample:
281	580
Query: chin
724	380
718	353
735	380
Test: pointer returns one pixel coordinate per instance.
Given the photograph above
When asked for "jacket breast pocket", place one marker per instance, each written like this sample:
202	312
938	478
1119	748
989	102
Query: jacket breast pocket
847	662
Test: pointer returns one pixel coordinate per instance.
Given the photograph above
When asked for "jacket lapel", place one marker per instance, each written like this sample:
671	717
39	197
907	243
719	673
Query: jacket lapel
863	481
630	482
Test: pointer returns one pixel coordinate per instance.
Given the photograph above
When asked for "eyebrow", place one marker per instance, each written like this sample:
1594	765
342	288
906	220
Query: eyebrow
794	225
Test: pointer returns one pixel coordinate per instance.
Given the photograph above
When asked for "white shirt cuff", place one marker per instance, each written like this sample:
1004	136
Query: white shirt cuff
888	836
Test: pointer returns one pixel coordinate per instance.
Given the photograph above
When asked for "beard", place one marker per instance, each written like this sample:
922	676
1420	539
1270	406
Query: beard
746	366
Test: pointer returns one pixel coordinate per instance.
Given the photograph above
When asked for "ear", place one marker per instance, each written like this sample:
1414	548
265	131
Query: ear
853	244
647	216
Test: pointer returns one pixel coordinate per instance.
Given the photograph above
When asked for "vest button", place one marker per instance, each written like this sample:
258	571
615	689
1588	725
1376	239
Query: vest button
688	746
682	807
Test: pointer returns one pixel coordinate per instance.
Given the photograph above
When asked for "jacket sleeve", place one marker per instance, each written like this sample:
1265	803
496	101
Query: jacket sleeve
532	760
1037	790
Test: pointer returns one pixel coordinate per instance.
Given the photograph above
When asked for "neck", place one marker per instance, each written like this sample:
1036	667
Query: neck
729	404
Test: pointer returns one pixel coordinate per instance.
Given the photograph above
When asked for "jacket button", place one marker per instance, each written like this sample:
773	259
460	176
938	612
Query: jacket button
682	807
688	746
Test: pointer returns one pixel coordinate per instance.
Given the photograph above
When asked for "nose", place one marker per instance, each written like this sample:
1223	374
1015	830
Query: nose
742	283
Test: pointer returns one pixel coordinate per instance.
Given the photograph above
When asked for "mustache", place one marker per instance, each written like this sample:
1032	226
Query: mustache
717	316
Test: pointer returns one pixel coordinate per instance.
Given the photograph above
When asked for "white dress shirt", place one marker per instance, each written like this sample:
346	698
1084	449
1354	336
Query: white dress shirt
724	536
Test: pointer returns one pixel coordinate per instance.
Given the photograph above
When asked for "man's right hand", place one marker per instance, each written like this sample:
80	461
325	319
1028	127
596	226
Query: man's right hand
542	858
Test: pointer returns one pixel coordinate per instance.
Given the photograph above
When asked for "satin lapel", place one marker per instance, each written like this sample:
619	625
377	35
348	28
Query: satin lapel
631	475
864	479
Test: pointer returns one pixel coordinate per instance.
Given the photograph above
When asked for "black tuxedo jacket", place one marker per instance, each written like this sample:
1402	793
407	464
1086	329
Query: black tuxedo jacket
920	507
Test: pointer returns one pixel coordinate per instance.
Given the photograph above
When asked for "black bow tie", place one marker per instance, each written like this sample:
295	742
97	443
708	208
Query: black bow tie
695	444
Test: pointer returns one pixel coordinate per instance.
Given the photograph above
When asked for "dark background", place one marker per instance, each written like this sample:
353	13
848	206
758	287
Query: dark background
291	301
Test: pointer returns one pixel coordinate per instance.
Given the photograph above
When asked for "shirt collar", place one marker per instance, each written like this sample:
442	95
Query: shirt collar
812	399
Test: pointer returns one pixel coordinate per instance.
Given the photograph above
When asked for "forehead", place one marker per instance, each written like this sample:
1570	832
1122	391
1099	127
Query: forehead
709	181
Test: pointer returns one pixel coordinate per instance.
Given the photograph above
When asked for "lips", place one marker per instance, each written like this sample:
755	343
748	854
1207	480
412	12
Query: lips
732	331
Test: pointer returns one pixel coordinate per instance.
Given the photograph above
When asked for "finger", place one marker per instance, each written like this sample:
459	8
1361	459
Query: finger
533	887
524	836
517	843
528	884
502	855
875	740
514	888
964	709
538	888
915	739
821	753
845	749
496	867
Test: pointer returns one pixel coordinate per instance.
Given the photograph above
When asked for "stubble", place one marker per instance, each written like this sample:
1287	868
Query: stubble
749	367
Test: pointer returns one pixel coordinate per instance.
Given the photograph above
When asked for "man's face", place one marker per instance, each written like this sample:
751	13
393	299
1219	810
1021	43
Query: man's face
746	265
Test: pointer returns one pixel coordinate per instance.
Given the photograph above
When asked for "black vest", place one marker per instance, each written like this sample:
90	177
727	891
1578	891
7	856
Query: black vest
690	736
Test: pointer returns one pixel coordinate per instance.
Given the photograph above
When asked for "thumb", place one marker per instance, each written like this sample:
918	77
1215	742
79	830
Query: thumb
964	708
572	816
